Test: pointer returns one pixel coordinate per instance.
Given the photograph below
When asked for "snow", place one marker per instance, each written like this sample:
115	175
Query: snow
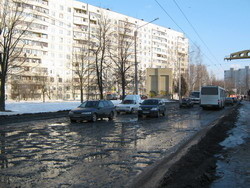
14	108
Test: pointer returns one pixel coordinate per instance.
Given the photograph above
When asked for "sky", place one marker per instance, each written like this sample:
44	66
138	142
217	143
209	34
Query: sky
222	25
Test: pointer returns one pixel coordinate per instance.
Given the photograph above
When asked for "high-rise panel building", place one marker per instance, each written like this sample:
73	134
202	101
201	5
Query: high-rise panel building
237	79
63	34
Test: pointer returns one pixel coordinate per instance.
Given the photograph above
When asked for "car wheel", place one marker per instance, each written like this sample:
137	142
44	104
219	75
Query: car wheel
132	111
158	114
164	113
72	120
94	117
111	116
118	112
139	116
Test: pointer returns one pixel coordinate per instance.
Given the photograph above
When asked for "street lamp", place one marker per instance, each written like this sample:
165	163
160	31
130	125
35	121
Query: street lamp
136	63
179	64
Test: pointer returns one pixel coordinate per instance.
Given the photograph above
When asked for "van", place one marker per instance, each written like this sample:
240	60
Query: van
130	104
195	97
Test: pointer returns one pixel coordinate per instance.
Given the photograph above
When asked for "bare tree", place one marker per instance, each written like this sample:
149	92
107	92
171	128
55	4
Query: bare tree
198	74
12	29
122	56
81	68
100	48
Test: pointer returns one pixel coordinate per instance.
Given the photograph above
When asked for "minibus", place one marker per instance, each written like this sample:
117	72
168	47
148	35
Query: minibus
212	97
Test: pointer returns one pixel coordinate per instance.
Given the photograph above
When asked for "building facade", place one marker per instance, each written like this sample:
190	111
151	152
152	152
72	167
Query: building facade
60	32
238	80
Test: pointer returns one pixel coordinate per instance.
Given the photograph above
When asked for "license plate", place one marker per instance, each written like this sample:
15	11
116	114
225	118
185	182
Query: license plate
145	112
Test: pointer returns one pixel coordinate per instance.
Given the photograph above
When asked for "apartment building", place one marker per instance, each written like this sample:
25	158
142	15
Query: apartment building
237	79
61	31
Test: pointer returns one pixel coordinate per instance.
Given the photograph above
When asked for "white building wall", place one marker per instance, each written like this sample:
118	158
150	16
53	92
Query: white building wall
157	46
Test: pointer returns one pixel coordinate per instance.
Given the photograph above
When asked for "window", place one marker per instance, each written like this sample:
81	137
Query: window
106	104
101	105
209	91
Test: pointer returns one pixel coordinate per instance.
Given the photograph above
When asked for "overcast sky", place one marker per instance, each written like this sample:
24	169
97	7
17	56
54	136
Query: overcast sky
223	25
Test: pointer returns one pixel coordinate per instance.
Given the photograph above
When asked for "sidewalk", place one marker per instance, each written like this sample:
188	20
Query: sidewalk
233	167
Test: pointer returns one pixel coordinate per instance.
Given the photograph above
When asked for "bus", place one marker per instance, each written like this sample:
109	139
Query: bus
212	97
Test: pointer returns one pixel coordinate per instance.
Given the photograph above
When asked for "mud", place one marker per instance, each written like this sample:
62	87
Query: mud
5	119
198	167
56	153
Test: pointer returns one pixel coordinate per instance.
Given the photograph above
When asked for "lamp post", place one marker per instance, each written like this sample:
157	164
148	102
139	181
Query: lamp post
136	63
179	65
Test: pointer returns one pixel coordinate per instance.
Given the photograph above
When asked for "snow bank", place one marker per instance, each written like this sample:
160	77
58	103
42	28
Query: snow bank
38	107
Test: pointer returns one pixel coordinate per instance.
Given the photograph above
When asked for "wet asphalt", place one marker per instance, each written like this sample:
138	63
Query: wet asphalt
57	153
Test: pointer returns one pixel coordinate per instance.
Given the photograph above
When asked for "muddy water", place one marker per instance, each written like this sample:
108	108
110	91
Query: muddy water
55	153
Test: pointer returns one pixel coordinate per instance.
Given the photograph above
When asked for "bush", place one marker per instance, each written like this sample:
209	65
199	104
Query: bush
152	94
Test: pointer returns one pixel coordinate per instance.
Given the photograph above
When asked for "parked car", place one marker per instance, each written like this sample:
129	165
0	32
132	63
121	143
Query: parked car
229	101
130	104
186	102
143	97
112	96
152	107
92	110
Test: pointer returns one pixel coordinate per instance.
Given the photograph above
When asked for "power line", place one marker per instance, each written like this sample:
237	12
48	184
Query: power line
182	29
195	30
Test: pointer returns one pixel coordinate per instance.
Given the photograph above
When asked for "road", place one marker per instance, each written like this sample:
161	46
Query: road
56	153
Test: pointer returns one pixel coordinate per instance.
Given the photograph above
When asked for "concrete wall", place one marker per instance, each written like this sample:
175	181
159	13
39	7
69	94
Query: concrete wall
159	80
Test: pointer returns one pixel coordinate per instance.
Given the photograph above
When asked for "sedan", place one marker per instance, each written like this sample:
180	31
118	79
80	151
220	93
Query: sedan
152	107
92	110
229	101
186	102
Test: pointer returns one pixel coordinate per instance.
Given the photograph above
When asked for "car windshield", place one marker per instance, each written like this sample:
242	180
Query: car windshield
150	102
129	102
89	104
195	94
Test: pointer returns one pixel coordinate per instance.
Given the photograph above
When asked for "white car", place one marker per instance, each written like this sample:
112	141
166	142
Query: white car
130	104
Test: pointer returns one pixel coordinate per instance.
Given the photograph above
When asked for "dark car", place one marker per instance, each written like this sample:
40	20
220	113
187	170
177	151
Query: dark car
152	107
111	96
92	110
186	102
229	101
143	97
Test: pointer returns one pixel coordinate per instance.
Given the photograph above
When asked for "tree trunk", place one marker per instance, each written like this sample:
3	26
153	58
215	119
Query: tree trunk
2	95
123	86
81	89
43	96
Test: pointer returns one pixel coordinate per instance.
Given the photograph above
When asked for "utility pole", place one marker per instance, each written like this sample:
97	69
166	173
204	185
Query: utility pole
136	63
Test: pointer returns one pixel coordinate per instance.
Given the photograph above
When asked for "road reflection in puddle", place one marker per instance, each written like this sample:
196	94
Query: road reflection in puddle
124	145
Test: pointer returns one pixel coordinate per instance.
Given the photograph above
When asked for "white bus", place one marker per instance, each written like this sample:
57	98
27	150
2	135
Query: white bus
212	97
